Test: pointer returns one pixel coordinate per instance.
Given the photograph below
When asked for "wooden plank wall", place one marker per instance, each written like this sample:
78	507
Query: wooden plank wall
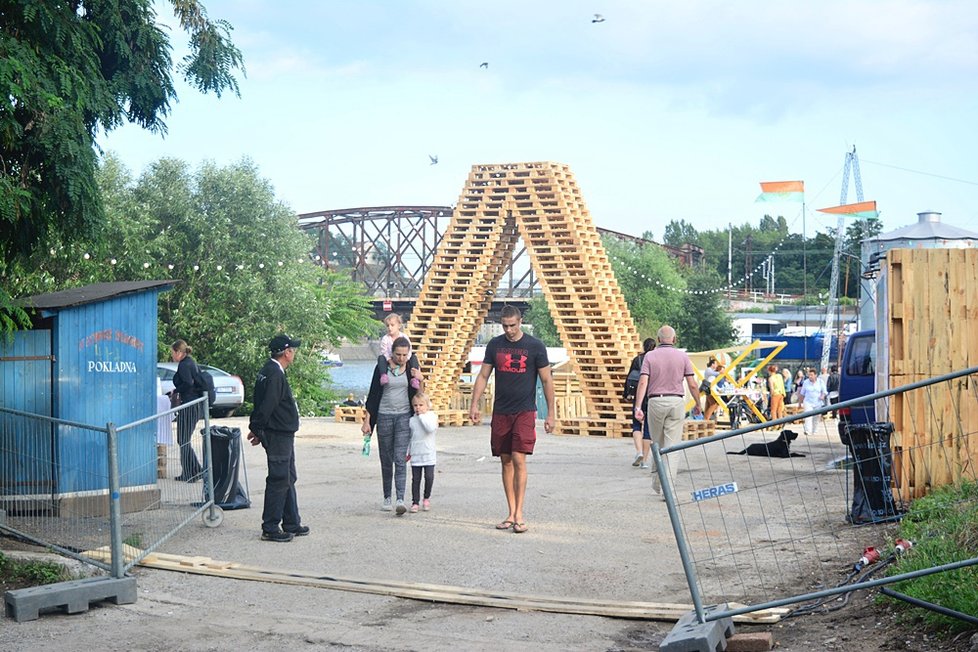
541	203
932	306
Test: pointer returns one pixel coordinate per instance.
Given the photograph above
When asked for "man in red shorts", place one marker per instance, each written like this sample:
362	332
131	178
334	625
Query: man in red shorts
518	360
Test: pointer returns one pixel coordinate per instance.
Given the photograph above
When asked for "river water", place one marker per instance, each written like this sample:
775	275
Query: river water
353	376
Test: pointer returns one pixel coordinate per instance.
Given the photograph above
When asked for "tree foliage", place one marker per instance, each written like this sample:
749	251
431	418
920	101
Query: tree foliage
802	265
541	321
658	291
241	268
645	273
68	69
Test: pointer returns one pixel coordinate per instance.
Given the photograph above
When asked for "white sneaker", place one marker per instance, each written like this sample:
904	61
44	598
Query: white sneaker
401	508
643	465
388	506
637	460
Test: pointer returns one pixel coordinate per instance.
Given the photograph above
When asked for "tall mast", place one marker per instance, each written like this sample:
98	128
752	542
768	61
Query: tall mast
852	163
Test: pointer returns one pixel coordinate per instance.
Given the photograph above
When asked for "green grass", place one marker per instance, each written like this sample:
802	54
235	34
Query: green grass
30	573
944	529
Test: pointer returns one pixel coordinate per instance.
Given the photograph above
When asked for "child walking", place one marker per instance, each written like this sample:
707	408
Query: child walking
421	451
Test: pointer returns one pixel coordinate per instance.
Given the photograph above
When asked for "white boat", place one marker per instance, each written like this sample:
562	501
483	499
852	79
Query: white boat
332	359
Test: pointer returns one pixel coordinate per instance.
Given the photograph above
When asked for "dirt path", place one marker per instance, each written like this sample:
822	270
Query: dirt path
596	531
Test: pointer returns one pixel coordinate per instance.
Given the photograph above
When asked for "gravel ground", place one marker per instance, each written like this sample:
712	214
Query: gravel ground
596	531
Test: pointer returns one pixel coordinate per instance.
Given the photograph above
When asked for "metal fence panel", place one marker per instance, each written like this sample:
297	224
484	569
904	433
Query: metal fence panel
60	482
765	531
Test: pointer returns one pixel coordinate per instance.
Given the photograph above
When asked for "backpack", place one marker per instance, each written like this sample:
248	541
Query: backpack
204	383
631	381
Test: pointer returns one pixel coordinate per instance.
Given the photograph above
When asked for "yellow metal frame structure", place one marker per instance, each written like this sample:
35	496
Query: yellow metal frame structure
756	345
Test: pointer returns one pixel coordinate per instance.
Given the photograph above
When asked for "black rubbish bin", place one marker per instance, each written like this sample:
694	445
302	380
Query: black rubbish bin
872	495
226	455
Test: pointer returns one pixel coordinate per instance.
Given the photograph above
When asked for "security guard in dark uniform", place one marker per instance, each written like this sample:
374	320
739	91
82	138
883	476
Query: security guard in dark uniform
273	424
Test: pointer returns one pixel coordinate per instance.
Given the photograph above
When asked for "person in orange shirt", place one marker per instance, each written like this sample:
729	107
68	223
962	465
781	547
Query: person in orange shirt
775	385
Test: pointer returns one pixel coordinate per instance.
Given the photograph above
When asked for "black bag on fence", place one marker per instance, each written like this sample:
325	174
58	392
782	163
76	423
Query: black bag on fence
227	460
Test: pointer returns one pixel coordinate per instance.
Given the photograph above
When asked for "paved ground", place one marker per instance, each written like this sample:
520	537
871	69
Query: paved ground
596	531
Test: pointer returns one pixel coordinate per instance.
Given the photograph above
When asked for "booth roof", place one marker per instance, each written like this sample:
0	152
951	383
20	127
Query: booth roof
90	294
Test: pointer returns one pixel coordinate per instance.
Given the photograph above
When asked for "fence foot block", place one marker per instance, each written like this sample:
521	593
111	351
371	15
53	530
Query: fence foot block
690	635
73	596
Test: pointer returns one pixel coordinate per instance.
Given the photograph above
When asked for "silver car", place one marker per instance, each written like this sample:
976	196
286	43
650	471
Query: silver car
228	388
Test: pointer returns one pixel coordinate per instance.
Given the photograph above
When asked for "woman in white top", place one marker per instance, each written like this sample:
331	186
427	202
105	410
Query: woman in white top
812	394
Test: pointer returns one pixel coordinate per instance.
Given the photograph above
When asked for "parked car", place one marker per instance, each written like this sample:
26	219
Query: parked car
228	388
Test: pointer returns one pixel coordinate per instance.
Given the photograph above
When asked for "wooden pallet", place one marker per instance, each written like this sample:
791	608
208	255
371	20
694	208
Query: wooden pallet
541	204
698	429
453	418
348	414
594	427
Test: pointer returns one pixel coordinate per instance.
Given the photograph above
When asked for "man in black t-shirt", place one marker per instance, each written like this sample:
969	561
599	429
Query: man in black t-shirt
518	359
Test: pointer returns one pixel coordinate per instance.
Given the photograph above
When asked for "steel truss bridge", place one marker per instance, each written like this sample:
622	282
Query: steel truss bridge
390	248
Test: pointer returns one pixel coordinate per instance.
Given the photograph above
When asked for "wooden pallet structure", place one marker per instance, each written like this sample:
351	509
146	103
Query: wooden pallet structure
542	204
931	301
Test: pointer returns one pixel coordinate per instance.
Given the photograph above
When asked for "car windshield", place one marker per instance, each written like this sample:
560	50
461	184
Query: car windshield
214	371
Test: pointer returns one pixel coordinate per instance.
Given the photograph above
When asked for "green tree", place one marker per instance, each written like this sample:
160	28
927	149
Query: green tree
67	70
680	233
646	275
242	269
703	324
539	318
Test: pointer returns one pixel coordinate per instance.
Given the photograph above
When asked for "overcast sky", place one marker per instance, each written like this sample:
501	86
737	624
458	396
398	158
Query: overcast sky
666	110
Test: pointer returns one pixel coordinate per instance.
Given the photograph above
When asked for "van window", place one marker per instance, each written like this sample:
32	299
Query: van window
862	362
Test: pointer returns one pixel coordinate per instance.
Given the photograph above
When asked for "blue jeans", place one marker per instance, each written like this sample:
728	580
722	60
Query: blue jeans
393	437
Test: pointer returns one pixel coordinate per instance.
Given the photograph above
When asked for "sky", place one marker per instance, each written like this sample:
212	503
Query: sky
664	111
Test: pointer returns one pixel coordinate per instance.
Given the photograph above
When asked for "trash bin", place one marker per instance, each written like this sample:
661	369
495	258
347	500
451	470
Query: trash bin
226	456
872	495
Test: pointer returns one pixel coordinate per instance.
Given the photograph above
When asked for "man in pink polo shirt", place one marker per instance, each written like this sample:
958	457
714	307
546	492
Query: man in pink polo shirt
664	370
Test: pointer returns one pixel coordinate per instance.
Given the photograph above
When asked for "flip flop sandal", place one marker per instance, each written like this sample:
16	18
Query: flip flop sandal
519	528
505	525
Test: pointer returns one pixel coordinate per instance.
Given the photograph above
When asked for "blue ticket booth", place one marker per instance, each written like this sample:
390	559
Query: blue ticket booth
90	358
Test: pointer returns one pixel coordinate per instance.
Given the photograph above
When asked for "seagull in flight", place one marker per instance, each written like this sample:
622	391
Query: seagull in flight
434	159
484	64
598	18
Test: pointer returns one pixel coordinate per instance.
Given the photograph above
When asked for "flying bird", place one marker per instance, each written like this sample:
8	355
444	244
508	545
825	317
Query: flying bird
598	18
434	159
484	64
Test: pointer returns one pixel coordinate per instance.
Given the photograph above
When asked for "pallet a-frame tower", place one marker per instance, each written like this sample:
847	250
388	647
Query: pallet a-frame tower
541	203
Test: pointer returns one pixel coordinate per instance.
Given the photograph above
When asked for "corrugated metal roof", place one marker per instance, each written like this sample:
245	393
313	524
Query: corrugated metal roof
928	227
90	294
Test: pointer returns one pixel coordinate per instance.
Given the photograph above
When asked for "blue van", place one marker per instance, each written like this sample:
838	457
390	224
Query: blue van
857	377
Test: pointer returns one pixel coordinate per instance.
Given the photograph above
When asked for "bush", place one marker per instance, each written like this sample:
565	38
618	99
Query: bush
944	529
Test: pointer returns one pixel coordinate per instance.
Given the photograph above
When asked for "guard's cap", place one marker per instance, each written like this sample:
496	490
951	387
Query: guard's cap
281	342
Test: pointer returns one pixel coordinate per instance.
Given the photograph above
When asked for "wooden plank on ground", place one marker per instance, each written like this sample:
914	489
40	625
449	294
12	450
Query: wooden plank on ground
439	593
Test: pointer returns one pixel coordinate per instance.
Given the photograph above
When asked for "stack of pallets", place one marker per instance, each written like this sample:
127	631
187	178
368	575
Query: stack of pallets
540	203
